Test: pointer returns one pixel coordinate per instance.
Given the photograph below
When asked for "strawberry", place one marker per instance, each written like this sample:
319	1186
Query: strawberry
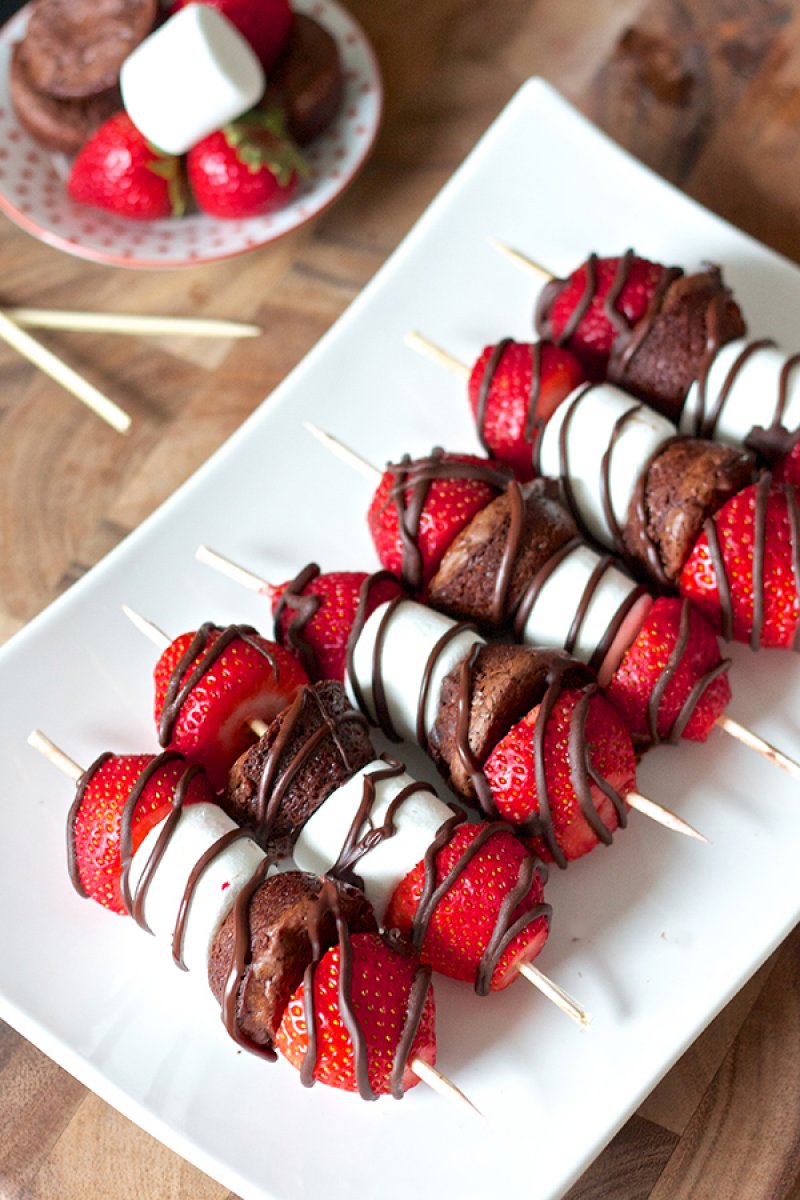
264	23
420	505
377	988
595	333
511	773
247	168
647	666
100	825
119	170
514	388
208	686
743	573
470	915
315	614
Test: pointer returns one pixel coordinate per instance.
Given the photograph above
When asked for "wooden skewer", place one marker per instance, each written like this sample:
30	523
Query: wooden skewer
437	354
664	816
160	639
759	744
556	994
226	566
522	260
339	450
54	754
423	1070
63	374
129	323
441	1084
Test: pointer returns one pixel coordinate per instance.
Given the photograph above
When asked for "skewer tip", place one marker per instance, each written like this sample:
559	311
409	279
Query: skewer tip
444	1086
556	995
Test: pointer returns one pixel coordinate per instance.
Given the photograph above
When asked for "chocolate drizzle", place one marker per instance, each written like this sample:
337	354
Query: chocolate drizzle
532	422
505	929
775	441
304	606
134	902
416	477
763	491
208	654
692	698
239	963
628	337
363	835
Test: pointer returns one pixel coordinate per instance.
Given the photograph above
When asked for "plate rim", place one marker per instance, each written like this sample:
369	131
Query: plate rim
55	241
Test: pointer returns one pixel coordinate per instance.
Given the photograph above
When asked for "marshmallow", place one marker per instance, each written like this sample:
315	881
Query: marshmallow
198	828
556	605
751	379
591	417
416	822
410	636
190	77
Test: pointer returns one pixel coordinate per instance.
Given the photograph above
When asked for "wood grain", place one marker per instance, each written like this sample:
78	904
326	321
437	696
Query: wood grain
705	91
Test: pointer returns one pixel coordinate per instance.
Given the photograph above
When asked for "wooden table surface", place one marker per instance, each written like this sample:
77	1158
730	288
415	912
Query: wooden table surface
705	91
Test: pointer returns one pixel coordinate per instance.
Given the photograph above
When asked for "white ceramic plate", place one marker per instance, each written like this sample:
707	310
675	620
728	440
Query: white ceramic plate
654	935
32	191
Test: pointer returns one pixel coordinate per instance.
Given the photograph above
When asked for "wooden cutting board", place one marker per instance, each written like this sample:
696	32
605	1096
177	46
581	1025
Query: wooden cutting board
707	92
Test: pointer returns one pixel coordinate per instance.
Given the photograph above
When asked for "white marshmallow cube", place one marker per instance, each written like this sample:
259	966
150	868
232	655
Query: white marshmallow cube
752	395
410	638
190	77
199	827
554	610
416	821
593	415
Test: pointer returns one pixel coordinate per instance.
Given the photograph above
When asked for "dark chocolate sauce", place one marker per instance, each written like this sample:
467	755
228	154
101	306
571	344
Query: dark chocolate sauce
532	422
304	606
363	835
763	492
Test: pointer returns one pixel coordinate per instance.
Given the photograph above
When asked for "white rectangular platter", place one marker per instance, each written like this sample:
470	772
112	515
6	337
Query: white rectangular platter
654	935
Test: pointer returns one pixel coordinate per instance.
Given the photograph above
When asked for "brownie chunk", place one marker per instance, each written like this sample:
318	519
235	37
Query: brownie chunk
284	914
309	750
465	586
504	683
684	485
308	82
57	124
661	357
75	48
